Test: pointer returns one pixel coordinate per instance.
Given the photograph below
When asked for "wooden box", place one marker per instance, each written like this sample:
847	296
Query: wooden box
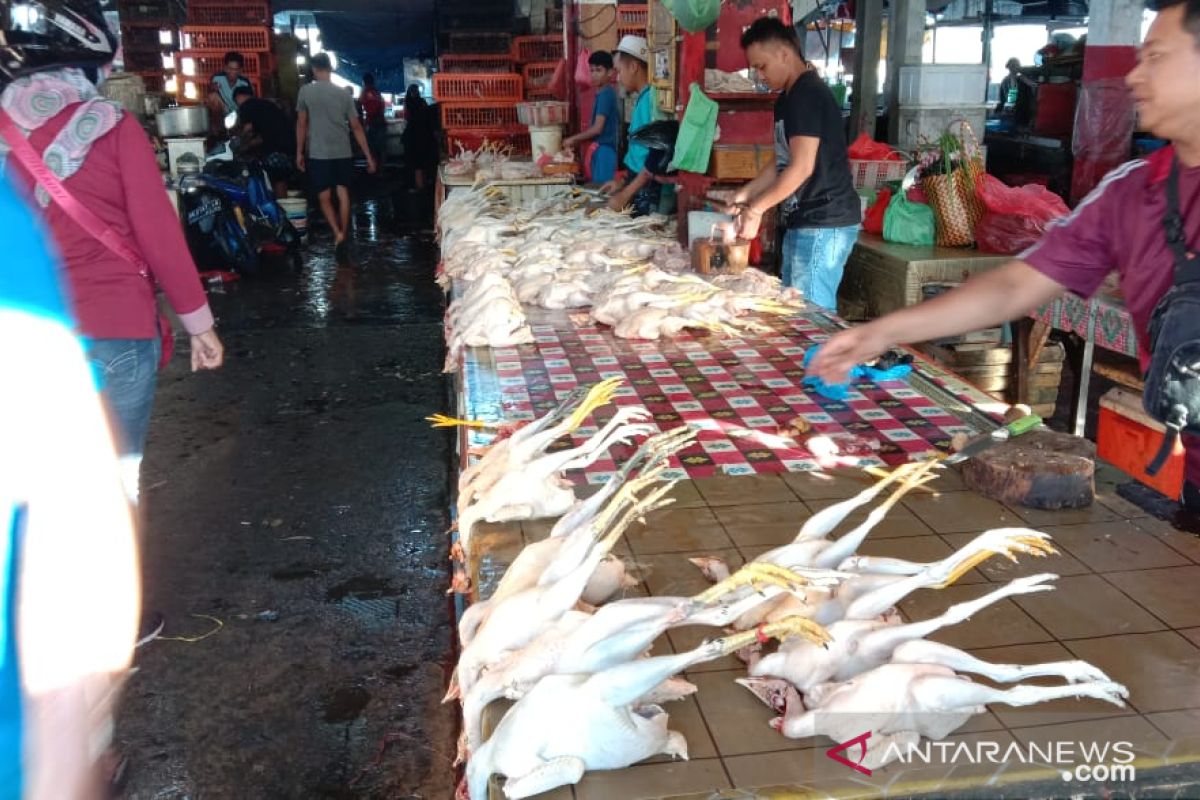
740	161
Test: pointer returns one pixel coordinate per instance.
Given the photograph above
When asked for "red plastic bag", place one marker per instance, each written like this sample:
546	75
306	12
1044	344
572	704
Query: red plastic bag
1031	200
873	222
1016	216
867	149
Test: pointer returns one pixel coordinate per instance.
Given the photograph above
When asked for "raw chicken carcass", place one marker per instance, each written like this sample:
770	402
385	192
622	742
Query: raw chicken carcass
568	724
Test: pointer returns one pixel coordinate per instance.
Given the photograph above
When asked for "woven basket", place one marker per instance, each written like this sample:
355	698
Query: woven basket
955	206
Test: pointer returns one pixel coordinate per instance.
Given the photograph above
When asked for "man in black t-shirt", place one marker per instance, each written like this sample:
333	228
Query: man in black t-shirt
810	180
266	128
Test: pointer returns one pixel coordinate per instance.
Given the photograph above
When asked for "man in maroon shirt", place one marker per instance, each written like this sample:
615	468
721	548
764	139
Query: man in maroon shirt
1117	227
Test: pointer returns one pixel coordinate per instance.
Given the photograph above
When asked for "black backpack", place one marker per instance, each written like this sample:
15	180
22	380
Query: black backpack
1172	393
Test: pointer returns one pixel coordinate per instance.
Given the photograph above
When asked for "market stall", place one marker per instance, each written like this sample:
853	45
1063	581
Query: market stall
559	408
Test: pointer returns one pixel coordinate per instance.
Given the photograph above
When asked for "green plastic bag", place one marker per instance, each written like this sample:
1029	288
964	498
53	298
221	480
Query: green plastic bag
906	222
694	15
693	146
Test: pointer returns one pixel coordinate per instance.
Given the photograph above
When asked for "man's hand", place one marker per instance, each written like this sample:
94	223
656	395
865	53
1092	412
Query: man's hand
612	187
748	223
207	351
847	349
619	201
300	161
371	165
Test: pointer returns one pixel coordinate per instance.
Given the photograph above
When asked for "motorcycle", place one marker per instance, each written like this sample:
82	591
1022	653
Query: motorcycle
230	212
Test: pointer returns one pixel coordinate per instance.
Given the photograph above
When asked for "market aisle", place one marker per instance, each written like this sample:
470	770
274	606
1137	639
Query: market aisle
298	496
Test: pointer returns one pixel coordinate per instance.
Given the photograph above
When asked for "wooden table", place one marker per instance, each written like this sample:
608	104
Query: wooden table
1101	321
882	277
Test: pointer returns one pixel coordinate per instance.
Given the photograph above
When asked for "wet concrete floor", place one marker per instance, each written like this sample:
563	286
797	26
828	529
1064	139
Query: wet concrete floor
298	497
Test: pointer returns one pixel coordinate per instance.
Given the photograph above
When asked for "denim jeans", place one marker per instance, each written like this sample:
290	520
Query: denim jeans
813	261
126	372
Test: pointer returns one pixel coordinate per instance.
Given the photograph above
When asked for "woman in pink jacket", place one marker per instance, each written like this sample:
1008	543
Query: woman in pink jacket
101	156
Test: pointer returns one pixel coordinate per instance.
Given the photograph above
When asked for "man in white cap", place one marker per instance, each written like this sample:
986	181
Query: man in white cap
640	189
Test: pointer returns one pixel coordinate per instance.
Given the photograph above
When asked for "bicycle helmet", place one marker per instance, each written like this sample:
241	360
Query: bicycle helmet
50	34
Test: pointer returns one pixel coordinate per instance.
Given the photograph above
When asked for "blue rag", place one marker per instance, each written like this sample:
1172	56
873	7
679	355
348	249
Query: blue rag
840	391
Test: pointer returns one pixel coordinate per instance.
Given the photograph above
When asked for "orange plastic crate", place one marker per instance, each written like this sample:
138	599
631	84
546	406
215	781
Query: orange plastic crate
538	75
1129	443
226	13
535	95
633	16
202	86
480	42
474	138
206	63
143	60
224	38
537	48
478	86
144	36
623	31
479	115
476	62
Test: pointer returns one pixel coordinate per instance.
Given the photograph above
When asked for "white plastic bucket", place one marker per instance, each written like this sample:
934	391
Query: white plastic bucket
296	211
546	140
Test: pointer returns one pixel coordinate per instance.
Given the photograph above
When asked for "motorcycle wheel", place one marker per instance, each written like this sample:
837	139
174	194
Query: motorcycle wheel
236	248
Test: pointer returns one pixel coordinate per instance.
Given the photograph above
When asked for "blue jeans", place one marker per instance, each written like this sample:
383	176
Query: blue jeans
813	261
126	372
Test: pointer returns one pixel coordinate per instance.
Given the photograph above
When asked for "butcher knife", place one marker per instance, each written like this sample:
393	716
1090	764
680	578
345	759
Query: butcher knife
980	443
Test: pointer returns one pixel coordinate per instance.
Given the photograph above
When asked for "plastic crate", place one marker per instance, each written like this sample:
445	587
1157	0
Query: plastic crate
474	138
213	37
226	13
633	16
622	32
543	113
537	48
206	63
1127	438
538	75
147	36
144	60
200	87
155	82
479	115
480	42
873	174
476	62
478	86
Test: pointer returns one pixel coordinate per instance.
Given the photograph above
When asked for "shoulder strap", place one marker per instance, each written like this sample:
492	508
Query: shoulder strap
77	211
1176	234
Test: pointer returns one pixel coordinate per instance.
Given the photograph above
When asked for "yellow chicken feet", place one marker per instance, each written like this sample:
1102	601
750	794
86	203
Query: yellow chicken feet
600	394
1000	542
782	630
443	421
756	575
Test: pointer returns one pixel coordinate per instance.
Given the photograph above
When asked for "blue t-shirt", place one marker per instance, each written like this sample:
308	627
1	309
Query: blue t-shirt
643	115
606	104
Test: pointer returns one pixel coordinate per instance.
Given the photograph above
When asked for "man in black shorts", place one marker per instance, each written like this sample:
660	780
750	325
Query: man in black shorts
266	131
326	118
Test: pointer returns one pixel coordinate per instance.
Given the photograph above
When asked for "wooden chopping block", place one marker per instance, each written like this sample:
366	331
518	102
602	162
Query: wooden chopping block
1041	469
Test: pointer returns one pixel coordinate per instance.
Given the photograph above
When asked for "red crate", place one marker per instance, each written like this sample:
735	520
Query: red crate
539	75
207	63
1127	438
214	37
633	16
226	13
537	48
535	95
478	86
143	60
143	36
480	42
155	82
476	62
474	138
479	115
622	32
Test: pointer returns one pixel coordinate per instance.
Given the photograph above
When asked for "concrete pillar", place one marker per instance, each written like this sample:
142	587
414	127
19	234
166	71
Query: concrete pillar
868	36
1104	116
906	38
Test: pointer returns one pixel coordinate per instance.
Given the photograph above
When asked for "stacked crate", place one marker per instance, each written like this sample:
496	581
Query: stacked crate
215	27
538	58
632	20
149	38
479	107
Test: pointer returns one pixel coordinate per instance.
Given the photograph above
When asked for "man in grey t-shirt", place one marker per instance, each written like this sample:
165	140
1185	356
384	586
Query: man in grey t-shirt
326	118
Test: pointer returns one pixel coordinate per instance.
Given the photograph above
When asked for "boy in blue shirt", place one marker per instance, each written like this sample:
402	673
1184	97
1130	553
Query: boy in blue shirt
605	120
641	190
